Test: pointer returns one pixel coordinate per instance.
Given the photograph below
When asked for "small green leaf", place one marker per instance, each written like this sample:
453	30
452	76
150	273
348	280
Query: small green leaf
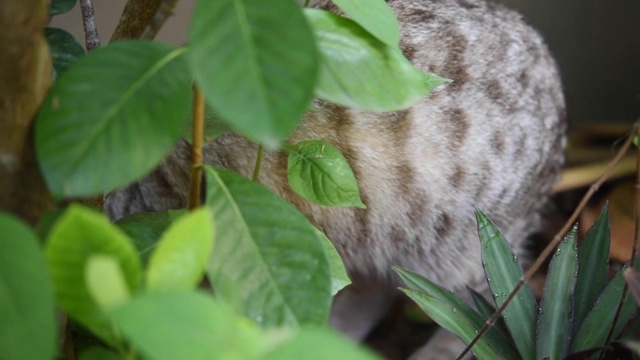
268	258
375	16
595	328
339	277
593	268
65	49
179	261
105	281
555	309
256	62
112	117
318	344
453	320
319	173
80	234
503	273
57	7
422	288
358	70
186	325
28	327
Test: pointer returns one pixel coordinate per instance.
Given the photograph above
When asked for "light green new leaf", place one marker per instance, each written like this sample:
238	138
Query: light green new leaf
256	62
268	259
339	277
375	16
65	49
179	261
359	71
112	117
319	173
106	282
28	327
186	325
555	310
593	268
503	273
78	235
432	297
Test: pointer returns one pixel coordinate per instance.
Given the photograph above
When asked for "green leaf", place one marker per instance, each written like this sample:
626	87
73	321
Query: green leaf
57	7
80	234
256	63
268	258
453	320
319	173
319	344
595	328
593	268
555	310
145	229
375	16
357	70
503	273
214	126
112	117
186	325
179	261
65	49
337	271
105	281
486	311
99	353
433	80
432	297
28	328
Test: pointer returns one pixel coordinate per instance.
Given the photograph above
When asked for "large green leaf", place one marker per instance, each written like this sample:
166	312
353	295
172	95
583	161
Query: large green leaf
27	312
179	261
358	70
112	117
320	173
555	311
446	309
596	326
65	49
256	63
186	325
593	268
375	16
268	259
503	273
105	281
339	277
78	235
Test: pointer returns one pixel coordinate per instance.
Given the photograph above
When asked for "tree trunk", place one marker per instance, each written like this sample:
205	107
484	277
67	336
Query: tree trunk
25	77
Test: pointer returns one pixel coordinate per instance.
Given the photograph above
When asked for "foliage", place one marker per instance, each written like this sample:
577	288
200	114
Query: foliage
575	315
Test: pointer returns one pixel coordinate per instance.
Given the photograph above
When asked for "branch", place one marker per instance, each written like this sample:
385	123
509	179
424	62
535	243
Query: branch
92	40
196	149
165	11
137	14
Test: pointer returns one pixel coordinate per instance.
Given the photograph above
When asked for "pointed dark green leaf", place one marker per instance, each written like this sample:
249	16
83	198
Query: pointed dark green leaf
432	297
268	258
256	63
65	49
486	311
78	235
28	328
555	310
57	7
112	117
593	268
357	70
319	173
179	260
186	325
503	273
375	16
595	328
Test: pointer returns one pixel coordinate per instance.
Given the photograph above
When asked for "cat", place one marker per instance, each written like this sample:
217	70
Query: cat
492	139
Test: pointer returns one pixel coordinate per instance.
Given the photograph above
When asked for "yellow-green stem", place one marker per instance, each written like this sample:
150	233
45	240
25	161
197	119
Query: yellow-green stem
196	149
256	169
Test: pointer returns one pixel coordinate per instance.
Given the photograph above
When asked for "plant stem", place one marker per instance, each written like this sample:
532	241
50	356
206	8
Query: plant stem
256	169
196	149
92	40
556	240
165	10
